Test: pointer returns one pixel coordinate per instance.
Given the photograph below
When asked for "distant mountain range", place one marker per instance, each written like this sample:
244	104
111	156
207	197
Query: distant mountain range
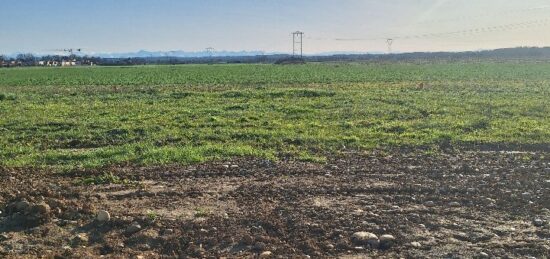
180	54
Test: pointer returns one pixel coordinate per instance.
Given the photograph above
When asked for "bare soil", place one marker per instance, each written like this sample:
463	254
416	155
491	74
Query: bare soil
453	204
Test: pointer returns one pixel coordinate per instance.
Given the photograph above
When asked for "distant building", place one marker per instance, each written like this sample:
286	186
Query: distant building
69	63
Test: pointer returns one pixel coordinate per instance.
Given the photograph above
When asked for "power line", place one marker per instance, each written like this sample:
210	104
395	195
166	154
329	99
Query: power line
502	13
481	30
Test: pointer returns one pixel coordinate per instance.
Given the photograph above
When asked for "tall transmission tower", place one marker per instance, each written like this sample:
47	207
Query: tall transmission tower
297	43
390	43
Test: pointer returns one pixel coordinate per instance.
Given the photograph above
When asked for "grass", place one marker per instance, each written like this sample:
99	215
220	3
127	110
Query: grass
156	115
106	178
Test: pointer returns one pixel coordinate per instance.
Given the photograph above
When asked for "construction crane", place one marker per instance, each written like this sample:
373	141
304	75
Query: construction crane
70	51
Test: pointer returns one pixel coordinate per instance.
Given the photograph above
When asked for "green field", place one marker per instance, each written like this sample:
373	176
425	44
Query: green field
155	115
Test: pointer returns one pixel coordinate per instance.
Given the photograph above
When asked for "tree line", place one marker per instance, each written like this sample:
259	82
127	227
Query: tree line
520	53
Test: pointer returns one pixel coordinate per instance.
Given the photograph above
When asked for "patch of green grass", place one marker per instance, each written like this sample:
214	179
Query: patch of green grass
202	212
155	115
106	178
152	216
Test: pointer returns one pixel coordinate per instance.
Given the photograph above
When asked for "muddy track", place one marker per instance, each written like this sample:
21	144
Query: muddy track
456	204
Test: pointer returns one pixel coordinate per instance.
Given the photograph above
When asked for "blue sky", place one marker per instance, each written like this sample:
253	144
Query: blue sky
192	25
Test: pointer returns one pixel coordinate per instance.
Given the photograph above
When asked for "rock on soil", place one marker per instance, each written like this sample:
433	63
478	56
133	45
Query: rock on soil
454	204
133	228
365	238
416	244
289	208
103	216
80	239
538	222
386	241
266	254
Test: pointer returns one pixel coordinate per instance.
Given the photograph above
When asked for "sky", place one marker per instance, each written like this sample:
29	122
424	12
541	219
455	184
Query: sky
105	26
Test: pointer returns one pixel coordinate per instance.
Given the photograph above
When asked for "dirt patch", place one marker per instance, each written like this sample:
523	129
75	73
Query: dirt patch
456	204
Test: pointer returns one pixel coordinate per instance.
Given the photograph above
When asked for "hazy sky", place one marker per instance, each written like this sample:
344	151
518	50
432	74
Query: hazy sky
131	25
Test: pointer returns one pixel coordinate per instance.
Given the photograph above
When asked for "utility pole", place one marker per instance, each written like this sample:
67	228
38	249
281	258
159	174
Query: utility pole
390	43
297	43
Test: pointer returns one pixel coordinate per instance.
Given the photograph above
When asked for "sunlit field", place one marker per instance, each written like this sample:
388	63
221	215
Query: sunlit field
157	115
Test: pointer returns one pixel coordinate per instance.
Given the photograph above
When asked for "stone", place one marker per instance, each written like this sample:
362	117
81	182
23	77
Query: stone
454	204
538	222
80	239
386	241
365	238
133	228
168	231
259	246
429	204
4	237
266	254
41	208
416	244
482	255
103	216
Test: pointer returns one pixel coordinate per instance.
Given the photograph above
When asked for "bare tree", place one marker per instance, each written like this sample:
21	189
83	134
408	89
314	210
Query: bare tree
26	59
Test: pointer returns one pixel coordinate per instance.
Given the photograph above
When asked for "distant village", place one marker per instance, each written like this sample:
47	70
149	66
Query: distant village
26	60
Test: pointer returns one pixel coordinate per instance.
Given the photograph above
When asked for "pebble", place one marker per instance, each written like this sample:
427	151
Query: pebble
133	228
234	166
168	231
259	246
429	204
80	239
416	244
266	254
4	237
42	211
454	204
365	238
482	255
103	216
226	166
386	241
538	222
